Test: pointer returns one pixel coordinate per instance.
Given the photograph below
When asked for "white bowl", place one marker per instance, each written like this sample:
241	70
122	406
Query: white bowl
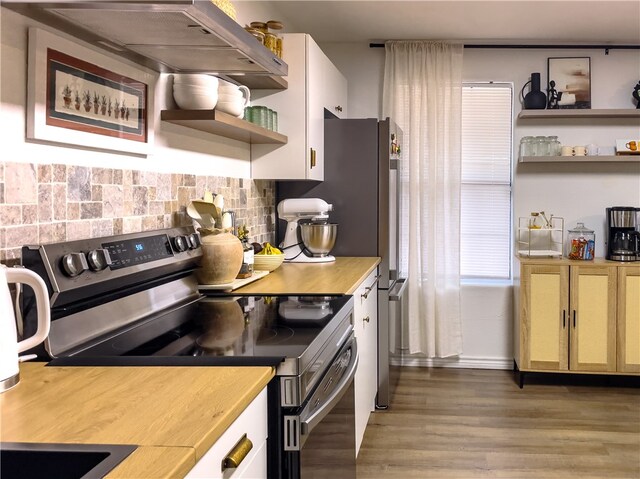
195	89
267	262
235	108
196	79
194	101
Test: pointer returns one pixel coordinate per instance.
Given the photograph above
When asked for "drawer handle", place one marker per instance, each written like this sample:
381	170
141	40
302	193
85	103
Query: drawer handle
368	289
237	454
366	319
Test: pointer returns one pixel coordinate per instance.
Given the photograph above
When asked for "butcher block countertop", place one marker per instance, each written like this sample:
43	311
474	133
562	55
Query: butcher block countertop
174	414
342	276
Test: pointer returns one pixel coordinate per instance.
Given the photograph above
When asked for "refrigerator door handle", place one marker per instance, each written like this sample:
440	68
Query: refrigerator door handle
395	293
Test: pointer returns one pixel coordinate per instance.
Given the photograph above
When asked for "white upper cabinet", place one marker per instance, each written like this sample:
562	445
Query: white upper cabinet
315	86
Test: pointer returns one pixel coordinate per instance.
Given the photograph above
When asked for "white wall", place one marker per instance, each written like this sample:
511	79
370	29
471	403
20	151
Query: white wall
578	192
176	149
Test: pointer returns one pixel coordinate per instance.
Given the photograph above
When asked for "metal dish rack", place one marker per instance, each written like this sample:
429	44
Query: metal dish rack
545	242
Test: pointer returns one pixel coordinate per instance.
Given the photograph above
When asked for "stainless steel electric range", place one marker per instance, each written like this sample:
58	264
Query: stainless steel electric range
133	300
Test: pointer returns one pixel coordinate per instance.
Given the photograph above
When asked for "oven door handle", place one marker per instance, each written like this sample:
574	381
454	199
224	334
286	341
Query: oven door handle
309	423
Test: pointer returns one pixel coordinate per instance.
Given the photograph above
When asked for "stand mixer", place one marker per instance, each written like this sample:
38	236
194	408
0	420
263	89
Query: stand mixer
309	242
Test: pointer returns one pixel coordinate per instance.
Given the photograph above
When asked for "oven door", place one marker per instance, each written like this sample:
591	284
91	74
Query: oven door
320	440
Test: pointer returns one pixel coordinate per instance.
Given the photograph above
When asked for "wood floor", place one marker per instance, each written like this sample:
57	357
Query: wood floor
462	423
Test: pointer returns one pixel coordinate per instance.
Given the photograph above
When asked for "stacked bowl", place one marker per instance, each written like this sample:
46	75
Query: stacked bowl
195	91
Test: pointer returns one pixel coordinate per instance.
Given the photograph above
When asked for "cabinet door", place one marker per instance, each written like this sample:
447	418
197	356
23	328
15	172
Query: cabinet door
543	317
593	318
252	423
335	90
316	84
288	161
301	112
365	325
628	326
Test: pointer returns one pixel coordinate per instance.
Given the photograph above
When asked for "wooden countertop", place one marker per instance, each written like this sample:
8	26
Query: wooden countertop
175	414
342	276
574	262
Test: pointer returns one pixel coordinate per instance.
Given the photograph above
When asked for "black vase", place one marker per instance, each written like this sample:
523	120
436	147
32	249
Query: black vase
535	99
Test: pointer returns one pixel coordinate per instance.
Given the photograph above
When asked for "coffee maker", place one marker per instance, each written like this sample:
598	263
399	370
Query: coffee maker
623	237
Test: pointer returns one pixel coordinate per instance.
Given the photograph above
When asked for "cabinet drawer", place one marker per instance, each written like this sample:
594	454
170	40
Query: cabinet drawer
253	423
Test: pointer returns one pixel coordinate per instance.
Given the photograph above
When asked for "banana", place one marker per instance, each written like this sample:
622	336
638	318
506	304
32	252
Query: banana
268	249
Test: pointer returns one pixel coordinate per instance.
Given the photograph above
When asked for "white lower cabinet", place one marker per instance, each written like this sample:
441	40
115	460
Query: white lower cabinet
365	319
252	423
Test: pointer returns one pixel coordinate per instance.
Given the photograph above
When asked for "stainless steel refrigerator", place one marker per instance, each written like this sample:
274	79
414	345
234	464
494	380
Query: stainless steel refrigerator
364	180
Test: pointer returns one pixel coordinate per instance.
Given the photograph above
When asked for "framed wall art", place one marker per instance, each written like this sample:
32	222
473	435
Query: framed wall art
78	96
571	79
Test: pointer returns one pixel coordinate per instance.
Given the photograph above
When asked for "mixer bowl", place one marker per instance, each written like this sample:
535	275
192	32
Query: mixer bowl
319	238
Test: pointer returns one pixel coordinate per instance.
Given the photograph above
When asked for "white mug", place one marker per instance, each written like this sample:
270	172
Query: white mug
566	151
579	151
592	150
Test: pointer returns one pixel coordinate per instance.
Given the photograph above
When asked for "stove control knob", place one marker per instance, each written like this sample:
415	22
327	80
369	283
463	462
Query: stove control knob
194	241
180	243
74	264
98	259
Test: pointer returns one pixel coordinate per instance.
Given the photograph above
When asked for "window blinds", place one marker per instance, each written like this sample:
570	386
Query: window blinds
485	230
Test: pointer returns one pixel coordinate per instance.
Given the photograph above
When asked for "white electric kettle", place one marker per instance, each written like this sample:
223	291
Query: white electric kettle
9	345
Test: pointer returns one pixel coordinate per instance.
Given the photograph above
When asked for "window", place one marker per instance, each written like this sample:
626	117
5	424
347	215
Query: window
485	230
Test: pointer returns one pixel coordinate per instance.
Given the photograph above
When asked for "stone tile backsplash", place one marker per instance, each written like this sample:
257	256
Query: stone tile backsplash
44	203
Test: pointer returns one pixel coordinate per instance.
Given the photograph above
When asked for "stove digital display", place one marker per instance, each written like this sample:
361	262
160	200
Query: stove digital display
138	250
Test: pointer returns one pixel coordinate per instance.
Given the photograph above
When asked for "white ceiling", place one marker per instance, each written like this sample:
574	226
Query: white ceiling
471	21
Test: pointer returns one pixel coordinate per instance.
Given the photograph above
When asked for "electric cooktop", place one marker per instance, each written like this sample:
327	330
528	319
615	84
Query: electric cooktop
256	330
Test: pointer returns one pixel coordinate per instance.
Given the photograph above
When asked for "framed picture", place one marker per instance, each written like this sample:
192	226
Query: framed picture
571	79
78	96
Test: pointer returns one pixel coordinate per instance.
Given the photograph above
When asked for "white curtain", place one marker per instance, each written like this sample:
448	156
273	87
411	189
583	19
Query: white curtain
422	94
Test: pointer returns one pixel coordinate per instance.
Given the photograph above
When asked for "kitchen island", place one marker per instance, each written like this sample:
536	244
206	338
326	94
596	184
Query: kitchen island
174	414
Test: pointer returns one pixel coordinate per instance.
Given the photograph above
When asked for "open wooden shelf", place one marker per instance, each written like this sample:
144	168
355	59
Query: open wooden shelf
581	159
223	124
580	113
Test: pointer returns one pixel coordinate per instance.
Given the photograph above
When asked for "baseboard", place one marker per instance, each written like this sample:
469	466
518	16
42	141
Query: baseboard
459	362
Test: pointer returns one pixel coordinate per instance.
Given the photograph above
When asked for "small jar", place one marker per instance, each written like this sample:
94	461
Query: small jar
246	270
257	34
271	42
260	26
540	146
526	146
535	221
581	243
554	146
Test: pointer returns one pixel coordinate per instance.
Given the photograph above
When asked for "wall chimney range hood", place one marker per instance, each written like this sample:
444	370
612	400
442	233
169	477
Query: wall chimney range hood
186	36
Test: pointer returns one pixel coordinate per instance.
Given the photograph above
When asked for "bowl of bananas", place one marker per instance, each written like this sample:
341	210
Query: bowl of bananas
268	258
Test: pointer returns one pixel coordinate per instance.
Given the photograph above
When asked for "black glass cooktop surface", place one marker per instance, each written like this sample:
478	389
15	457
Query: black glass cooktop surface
250	327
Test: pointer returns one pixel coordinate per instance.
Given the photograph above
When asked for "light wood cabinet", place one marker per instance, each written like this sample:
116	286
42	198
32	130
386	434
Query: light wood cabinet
251	425
315	86
365	319
592	338
577	317
629	319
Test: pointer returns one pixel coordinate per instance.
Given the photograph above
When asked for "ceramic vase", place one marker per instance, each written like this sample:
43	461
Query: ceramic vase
221	258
